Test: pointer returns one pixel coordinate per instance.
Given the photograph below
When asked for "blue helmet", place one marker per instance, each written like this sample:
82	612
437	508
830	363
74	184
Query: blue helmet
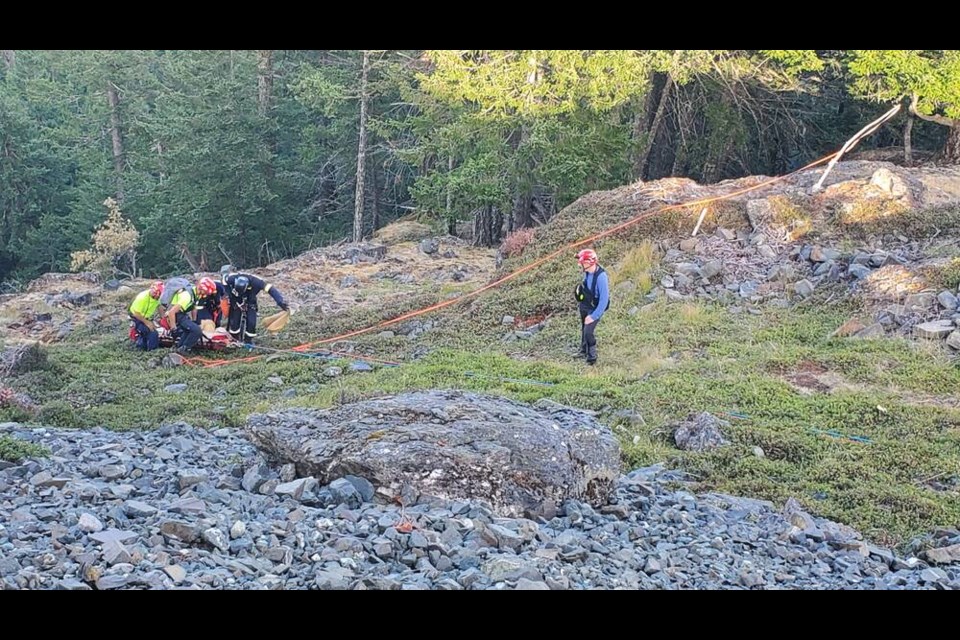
241	284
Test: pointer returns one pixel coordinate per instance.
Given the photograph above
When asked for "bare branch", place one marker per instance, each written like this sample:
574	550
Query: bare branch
945	121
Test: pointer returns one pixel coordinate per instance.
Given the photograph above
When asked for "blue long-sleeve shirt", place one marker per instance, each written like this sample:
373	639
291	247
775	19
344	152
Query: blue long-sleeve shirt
601	293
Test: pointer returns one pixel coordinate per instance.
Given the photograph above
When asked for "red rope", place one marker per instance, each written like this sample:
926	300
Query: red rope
307	346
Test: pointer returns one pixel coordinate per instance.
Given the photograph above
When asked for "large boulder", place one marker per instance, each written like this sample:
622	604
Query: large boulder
522	459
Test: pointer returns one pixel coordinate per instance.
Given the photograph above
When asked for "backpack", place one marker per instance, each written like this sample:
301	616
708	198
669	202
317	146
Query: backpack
171	287
588	296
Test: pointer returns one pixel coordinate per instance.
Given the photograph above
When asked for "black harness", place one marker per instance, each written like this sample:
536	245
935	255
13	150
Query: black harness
587	295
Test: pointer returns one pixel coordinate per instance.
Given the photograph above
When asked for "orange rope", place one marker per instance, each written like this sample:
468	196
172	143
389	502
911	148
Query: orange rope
533	265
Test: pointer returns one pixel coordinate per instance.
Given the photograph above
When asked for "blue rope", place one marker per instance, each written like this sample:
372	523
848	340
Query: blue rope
833	433
471	374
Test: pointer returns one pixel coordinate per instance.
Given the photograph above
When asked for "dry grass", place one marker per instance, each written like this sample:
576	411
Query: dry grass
792	219
637	266
691	313
947	275
893	282
865	212
403	231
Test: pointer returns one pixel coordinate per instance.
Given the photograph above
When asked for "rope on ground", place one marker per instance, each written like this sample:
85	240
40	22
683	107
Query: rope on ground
471	374
833	433
209	363
831	158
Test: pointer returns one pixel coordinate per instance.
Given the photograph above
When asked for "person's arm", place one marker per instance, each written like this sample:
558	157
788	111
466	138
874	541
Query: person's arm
139	316
259	285
603	292
172	316
277	297
136	311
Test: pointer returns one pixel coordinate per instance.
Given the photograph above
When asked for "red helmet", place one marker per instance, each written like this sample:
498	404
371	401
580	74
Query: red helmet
587	258
207	287
156	290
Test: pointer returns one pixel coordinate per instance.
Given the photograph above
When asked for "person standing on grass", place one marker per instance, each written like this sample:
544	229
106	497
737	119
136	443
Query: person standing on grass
593	296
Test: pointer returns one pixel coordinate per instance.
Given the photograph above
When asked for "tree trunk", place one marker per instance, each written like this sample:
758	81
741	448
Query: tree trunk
714	165
643	117
159	149
264	100
487	225
361	151
542	208
451	222
116	136
519	216
951	150
950	154
374	199
481	232
9	58
908	141
188	256
642	120
264	81
663	84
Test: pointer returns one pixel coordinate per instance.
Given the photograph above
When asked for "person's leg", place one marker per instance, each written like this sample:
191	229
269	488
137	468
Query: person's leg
152	340
583	335
141	329
591	341
204	315
146	339
191	332
251	331
233	322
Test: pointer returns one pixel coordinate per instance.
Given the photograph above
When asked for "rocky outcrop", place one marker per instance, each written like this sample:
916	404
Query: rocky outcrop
452	445
186	508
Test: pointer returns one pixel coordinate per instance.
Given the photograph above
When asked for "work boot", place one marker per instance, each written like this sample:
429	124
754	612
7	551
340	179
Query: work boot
592	355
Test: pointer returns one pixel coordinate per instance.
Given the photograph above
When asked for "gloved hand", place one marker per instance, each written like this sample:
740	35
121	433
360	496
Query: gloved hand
284	306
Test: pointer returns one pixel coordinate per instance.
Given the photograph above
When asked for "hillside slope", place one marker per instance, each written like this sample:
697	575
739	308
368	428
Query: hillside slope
859	425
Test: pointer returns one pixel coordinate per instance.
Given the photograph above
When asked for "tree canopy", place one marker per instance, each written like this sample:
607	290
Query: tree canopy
252	156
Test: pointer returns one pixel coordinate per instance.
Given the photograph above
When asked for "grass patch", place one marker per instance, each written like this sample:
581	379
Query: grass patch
637	267
947	276
15	450
872	215
879	216
660	364
790	217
